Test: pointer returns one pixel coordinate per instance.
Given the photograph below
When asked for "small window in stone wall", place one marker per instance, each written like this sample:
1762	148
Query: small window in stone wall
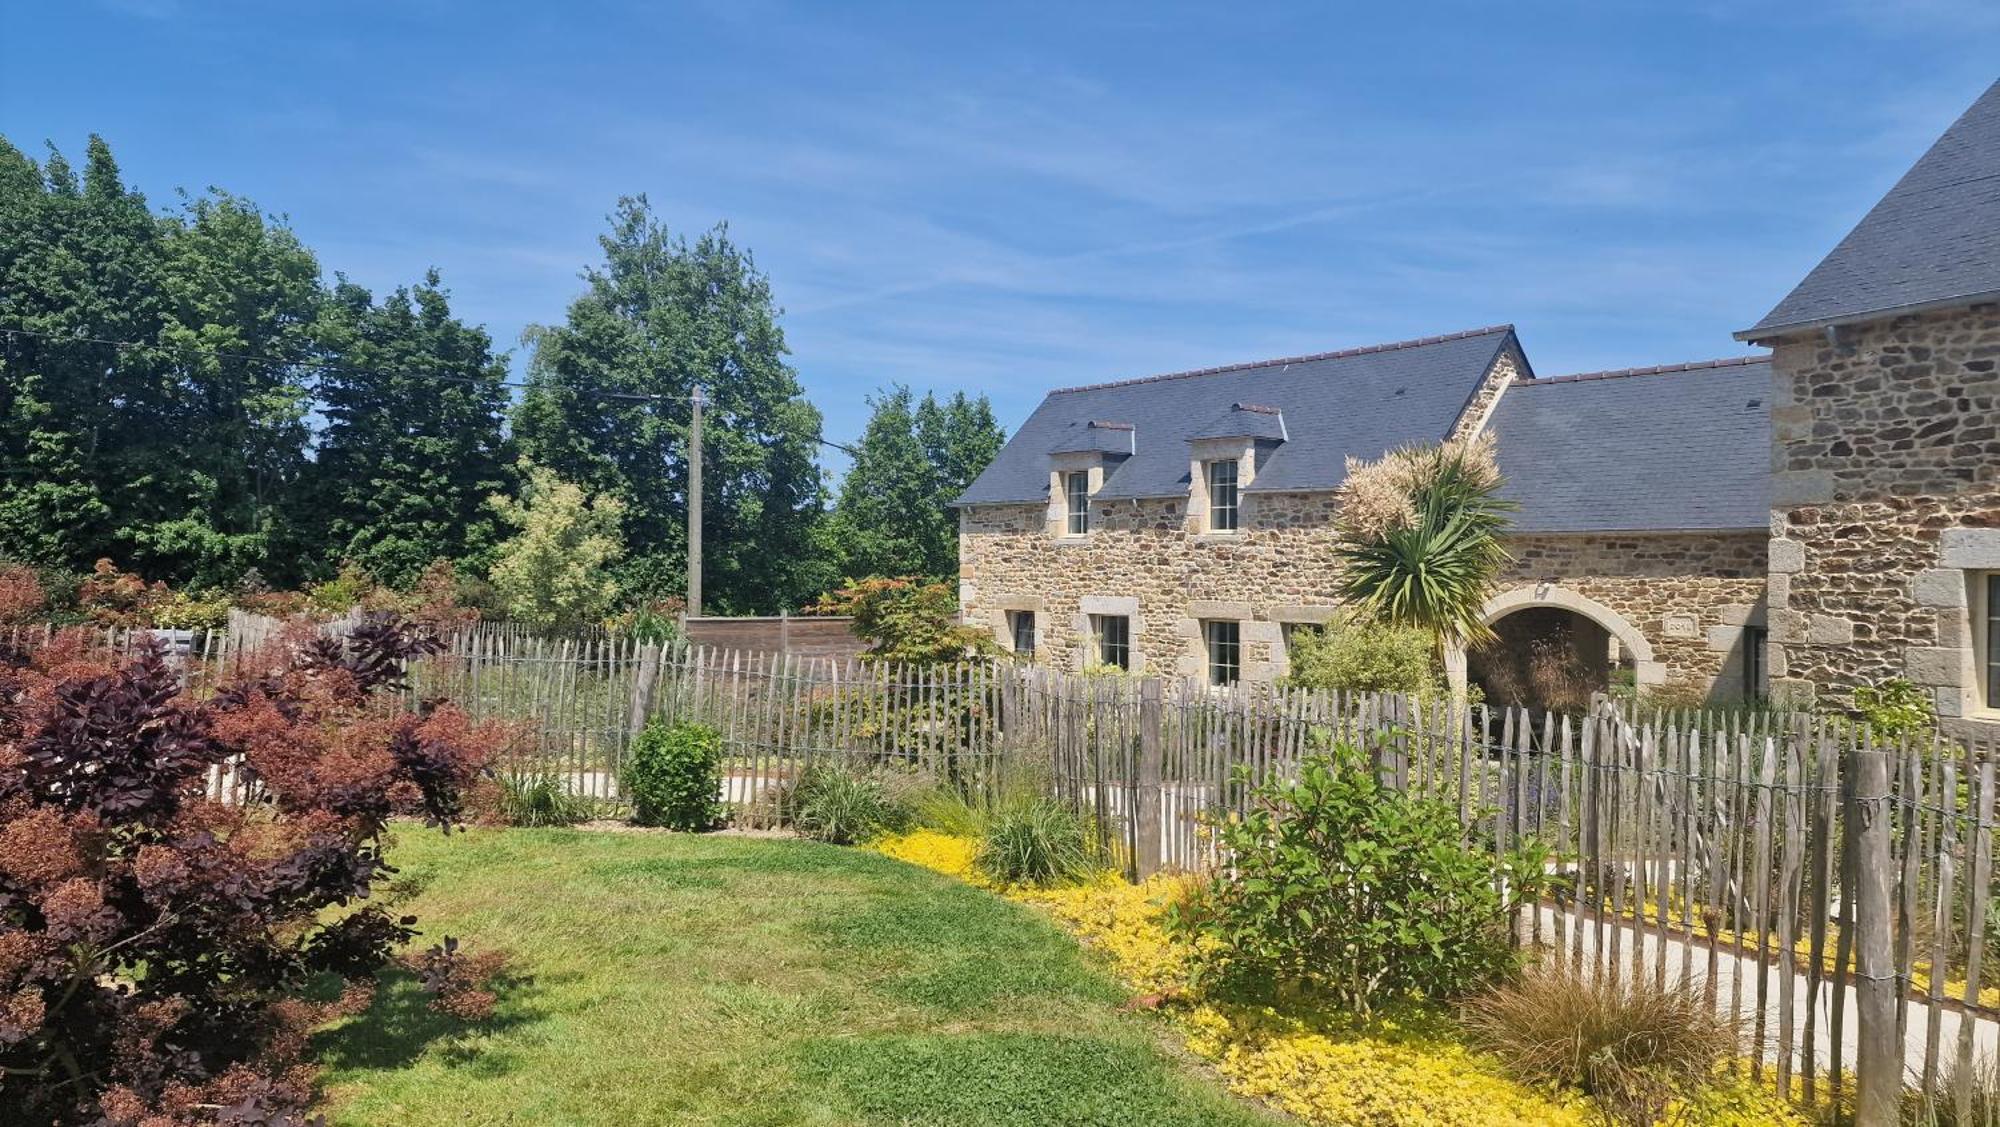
1113	636
1753	661
1222	510
1076	497
1225	651
1989	637
1021	629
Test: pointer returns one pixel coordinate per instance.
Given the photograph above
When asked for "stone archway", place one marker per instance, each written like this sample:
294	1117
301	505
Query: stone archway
1646	670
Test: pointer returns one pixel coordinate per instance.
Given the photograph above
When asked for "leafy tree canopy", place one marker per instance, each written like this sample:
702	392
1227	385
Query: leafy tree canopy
894	515
659	316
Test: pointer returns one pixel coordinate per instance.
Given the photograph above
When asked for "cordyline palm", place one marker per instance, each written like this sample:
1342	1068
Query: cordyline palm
1428	553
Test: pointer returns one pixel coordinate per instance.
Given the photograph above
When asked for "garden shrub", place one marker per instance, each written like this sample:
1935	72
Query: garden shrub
840	806
1360	655
539	798
1895	708
1038	842
23	600
911	619
675	777
1343	887
1633	1047
155	946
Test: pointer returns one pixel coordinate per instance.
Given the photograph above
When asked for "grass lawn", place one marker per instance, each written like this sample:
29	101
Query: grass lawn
731	980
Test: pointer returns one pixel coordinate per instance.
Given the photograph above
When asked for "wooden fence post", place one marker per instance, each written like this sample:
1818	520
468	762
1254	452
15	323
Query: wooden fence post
1147	801
1878	1065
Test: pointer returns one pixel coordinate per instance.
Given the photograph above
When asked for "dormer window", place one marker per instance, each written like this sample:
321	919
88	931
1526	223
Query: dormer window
1222	507
1076	500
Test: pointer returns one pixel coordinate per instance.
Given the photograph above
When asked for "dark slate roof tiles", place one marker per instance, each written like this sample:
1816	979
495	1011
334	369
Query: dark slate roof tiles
1681	447
1360	401
1932	241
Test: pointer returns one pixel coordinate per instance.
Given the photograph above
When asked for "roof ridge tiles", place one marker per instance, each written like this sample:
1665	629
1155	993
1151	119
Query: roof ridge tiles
1654	370
1342	354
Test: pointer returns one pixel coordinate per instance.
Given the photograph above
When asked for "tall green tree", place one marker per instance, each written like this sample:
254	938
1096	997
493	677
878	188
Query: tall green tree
162	453
413	446
894	514
659	316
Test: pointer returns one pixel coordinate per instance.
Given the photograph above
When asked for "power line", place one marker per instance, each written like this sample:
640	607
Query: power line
350	369
319	365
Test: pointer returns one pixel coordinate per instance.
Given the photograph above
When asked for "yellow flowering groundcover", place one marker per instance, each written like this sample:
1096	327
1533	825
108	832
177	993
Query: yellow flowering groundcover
1404	1070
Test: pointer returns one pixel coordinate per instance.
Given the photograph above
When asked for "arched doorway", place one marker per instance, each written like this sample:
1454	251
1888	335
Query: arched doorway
1556	648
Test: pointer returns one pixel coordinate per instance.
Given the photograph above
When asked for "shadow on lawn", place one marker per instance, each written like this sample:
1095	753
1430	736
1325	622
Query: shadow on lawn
400	1027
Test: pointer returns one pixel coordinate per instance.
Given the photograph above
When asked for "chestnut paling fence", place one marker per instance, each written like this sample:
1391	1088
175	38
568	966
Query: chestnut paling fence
1831	888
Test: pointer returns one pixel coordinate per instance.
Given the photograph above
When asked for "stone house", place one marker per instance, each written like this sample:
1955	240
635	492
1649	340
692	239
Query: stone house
1799	523
1885	490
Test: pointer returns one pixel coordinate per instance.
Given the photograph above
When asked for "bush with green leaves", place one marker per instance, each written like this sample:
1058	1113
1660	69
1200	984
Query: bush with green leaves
1361	655
675	776
1341	887
539	798
1038	842
1633	1047
1895	708
838	805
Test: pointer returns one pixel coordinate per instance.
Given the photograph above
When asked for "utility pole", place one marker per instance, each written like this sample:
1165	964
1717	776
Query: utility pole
694	505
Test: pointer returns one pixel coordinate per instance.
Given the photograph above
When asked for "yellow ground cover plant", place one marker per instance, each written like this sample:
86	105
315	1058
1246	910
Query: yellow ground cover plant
1409	1069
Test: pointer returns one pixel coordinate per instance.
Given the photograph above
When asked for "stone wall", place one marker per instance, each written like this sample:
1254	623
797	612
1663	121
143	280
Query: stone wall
1140	558
1885	440
1689	595
1472	419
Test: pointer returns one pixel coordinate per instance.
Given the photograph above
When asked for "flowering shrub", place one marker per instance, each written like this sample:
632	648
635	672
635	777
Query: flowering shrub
155	945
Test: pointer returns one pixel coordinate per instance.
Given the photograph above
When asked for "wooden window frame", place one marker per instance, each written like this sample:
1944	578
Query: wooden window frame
1223	641
1111	636
1076	502
1224	515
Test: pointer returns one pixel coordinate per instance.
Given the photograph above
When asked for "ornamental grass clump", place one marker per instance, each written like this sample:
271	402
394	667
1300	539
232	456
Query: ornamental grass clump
1634	1048
840	806
1039	843
539	798
156	947
1352	892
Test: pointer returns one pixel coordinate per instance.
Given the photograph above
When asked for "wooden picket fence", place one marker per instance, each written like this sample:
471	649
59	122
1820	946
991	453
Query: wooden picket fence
1831	888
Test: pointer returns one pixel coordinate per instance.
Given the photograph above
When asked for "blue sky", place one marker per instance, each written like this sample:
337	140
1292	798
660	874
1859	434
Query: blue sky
1014	198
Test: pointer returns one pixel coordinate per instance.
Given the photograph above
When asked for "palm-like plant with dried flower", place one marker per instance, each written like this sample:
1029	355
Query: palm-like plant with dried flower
1421	541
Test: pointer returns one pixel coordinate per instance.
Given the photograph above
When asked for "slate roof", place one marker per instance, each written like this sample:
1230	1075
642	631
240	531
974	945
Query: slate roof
1097	436
1685	447
1245	420
1933	240
1361	401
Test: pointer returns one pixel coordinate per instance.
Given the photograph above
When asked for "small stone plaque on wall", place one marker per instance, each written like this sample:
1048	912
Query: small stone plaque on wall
1680	626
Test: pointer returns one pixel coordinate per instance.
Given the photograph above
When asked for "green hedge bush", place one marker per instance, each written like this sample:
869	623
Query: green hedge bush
675	777
1347	889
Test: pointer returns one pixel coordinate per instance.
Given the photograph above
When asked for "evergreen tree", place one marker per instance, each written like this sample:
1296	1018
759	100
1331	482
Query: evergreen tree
659	316
413	445
894	515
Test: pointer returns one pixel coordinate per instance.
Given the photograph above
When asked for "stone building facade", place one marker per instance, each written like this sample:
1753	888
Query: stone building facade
1885	494
1802	524
1681	604
1886	514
